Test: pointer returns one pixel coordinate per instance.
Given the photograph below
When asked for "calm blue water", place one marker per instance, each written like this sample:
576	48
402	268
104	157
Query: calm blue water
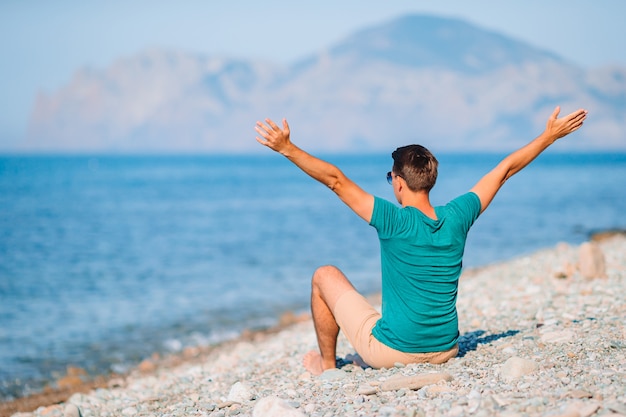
105	260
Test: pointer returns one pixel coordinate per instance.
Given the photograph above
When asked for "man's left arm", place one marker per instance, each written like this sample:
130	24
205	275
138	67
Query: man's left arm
278	139
556	128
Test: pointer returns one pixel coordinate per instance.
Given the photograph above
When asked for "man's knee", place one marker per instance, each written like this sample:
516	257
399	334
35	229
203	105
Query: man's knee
324	274
327	270
329	280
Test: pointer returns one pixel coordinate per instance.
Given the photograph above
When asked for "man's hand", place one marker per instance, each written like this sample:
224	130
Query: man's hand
275	138
557	128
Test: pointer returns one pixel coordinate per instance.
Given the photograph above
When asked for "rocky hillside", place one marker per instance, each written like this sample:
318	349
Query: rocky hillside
440	82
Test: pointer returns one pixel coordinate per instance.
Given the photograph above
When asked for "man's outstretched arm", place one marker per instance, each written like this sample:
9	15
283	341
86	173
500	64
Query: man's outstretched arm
277	139
556	128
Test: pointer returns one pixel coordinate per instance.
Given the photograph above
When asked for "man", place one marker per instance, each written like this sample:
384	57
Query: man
421	252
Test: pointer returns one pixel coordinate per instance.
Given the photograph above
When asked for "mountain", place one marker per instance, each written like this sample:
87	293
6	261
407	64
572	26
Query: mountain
428	42
417	79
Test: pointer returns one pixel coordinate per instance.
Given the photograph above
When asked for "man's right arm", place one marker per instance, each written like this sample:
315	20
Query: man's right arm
556	128
277	139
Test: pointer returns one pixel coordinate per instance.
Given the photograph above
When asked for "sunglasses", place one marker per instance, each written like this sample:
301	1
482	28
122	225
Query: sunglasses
390	177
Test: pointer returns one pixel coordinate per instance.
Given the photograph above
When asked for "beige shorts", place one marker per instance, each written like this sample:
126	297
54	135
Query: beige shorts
356	318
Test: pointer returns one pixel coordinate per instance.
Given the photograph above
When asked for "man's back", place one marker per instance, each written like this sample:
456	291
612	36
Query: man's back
421	262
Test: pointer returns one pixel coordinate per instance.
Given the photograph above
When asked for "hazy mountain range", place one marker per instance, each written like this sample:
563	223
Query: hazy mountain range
417	79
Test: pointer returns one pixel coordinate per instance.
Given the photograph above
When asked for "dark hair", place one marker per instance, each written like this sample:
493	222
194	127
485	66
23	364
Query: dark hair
417	166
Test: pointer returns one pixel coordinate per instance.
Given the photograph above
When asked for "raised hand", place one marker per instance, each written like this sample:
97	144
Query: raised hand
565	125
274	137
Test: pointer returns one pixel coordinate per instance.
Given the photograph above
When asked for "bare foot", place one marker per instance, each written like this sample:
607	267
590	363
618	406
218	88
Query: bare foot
312	361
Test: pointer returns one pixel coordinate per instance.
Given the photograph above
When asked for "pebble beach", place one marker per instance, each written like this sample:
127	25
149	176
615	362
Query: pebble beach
541	335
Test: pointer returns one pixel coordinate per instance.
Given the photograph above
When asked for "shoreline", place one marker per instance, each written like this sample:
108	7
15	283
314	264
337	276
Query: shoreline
560	260
76	380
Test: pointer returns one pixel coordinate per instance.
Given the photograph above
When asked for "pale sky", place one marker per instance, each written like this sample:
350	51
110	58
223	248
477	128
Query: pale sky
43	43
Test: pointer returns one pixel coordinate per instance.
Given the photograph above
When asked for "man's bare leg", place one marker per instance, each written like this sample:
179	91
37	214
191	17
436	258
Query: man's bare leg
328	284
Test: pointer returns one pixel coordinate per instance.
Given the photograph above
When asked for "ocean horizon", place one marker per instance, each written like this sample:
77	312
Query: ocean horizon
106	259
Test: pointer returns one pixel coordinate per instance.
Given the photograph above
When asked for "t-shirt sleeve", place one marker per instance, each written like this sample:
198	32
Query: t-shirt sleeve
467	208
383	217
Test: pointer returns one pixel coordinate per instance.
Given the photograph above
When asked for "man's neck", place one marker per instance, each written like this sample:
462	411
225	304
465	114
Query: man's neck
421	201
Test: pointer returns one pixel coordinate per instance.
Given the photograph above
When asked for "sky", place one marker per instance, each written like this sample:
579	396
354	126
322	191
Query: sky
43	43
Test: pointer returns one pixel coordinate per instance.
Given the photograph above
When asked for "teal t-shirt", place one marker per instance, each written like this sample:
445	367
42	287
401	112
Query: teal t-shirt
421	261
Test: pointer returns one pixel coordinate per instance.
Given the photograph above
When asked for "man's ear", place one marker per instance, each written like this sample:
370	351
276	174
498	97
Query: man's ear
401	183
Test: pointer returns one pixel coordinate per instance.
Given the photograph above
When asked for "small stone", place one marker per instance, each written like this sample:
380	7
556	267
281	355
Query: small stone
509	350
414	382
240	393
591	260
287	319
69	382
208	406
75	371
439	389
332	375
232	411
129	411
579	394
53	410
191	352
617	408
366	390
502	402
456	411
583	409
146	366
115	383
274	407
516	367
473	401
559	336
72	411
226	404
616	344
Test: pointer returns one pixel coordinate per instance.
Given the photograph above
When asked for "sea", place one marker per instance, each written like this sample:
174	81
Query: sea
105	260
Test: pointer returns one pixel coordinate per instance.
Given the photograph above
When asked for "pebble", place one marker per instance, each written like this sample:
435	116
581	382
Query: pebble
240	393
414	382
129	411
560	336
591	260
226	404
71	411
366	390
333	374
579	394
275	407
516	367
534	342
